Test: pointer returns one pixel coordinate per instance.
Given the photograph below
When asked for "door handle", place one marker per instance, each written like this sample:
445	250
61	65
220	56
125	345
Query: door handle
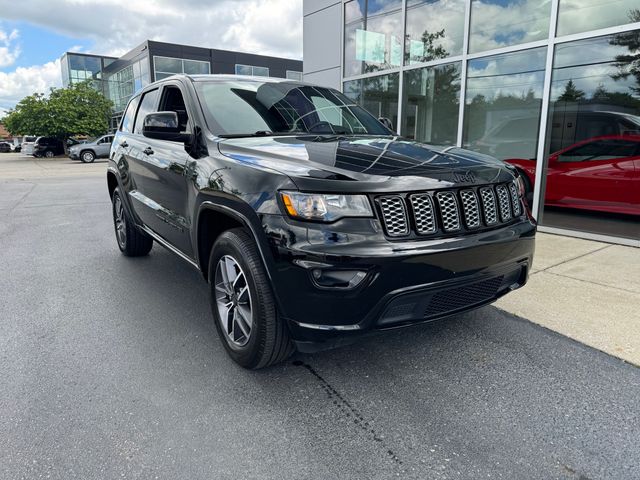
124	144
148	151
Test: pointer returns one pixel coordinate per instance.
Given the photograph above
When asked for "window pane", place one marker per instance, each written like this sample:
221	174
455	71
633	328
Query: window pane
499	23
168	65
431	104
593	137
378	95
293	75
244	70
503	101
582	15
434	29
127	120
147	105
196	67
261	71
373	42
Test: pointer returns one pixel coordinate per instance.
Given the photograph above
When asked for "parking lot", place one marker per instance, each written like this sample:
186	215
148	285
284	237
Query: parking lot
111	368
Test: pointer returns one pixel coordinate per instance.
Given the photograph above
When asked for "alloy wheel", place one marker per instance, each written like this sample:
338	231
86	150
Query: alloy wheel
48	154
120	222
233	299
87	157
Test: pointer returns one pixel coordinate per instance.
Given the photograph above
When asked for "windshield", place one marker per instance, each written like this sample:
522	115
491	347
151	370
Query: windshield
242	107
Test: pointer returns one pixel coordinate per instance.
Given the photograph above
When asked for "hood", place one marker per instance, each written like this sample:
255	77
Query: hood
371	164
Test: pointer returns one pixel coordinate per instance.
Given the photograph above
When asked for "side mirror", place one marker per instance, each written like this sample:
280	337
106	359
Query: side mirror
164	126
386	122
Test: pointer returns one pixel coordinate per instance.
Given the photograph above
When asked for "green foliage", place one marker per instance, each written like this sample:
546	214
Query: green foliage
629	64
76	110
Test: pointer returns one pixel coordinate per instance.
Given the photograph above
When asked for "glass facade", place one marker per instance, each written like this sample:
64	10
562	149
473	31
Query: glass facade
379	95
252	70
166	66
372	35
126	82
560	100
78	67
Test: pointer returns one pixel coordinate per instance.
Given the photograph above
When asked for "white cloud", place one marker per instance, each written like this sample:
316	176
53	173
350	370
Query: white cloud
266	27
272	27
27	80
8	51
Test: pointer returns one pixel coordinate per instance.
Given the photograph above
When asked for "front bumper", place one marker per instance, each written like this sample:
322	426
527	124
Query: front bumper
74	155
406	282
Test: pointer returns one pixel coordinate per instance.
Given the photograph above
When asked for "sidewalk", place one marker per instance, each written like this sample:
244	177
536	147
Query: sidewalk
586	290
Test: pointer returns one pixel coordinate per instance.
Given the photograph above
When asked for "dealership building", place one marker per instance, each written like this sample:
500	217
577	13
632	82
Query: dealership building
119	78
550	86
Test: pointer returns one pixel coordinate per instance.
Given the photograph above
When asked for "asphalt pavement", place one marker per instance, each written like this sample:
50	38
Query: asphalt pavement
110	367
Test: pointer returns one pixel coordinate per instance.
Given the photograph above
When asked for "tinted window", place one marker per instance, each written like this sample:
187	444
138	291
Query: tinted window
146	106
601	150
243	107
173	101
127	120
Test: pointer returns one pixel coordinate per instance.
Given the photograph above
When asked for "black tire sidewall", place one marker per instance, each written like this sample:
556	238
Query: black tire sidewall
116	193
248	355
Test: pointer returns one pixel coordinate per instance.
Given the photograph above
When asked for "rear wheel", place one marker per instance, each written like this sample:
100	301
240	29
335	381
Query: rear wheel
49	154
131	241
87	156
243	305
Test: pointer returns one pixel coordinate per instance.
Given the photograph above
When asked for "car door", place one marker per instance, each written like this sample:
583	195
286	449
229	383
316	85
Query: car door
103	145
596	175
158	169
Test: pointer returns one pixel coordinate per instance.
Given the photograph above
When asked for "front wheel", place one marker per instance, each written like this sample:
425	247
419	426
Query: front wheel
87	156
243	305
49	154
131	241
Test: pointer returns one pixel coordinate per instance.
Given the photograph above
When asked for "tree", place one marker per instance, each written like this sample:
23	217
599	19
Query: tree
629	64
571	93
29	117
76	110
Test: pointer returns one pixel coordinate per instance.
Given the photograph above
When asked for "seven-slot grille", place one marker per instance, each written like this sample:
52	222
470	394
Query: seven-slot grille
449	210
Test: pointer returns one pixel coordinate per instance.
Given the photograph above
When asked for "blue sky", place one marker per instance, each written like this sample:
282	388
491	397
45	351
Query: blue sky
39	45
34	33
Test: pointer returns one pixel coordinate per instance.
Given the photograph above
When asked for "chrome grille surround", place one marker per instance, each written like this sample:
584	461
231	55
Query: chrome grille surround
424	213
504	202
394	215
515	199
470	209
489	205
448	211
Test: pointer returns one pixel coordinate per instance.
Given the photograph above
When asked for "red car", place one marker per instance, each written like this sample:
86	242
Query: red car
601	173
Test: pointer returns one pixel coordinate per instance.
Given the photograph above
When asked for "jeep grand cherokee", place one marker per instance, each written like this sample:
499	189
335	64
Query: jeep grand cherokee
311	220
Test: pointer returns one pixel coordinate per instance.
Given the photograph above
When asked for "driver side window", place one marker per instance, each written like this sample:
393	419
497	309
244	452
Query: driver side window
173	101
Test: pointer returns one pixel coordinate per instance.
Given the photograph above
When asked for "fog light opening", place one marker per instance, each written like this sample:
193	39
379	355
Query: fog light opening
343	279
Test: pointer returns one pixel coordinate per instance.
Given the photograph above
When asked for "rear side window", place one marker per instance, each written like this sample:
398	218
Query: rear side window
146	106
127	120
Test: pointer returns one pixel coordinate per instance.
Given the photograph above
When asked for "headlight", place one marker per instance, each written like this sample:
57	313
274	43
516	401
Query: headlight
325	207
520	184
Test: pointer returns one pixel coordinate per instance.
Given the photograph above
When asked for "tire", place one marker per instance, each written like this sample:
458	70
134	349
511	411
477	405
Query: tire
87	156
49	154
131	241
260	337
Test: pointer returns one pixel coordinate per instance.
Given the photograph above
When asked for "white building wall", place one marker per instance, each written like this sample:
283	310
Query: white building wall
322	42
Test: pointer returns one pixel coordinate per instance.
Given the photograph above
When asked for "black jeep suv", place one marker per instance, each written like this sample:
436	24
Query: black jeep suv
311	220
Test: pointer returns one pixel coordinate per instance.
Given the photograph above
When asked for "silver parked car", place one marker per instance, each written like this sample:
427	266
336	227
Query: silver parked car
88	152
